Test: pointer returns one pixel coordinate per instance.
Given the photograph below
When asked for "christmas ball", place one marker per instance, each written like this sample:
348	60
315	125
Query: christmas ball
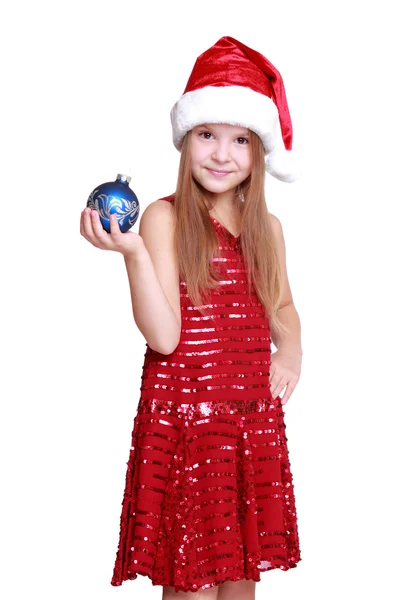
115	197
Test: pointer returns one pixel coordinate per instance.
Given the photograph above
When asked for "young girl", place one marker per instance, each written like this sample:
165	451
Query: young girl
209	501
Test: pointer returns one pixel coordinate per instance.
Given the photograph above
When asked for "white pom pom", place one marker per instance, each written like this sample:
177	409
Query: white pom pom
282	164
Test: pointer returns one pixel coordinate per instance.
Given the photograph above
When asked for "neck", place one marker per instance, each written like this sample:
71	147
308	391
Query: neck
224	202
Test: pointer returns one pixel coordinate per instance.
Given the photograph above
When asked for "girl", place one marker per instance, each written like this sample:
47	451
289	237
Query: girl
209	501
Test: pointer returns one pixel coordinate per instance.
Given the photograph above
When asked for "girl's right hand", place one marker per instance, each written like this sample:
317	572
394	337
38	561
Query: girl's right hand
128	243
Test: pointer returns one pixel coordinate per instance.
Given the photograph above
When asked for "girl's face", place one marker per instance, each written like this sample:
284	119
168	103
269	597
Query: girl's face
221	156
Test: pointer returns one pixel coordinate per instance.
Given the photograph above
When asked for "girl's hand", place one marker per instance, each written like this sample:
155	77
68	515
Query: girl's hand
285	372
127	243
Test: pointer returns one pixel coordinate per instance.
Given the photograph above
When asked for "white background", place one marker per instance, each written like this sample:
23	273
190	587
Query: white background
86	92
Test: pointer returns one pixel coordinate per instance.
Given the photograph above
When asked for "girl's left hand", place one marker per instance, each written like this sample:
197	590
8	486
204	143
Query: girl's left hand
284	372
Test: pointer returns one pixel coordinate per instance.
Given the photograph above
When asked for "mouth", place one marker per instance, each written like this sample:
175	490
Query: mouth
218	173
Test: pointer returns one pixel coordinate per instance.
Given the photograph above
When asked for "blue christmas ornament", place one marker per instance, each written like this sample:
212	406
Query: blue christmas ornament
115	197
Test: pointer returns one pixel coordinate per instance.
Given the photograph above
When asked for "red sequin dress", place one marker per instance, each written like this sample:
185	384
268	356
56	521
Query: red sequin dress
209	493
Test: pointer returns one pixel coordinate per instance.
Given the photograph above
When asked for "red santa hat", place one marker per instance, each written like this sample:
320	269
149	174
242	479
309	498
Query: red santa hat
231	83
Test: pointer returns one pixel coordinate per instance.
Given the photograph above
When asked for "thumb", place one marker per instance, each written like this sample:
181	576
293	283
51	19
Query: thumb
114	226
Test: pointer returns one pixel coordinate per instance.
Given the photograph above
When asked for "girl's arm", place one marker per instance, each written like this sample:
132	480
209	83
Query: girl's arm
291	342
154	280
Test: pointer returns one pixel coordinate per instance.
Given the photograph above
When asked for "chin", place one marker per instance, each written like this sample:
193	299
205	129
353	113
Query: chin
217	186
218	189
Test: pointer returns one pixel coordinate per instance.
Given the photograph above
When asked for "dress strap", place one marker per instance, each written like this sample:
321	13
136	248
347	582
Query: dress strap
168	198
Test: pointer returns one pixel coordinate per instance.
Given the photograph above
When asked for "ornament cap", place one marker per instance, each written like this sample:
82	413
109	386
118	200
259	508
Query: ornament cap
123	177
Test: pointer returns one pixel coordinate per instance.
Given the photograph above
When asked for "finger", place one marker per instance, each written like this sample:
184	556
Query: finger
288	392
278	391
277	385
99	233
114	226
271	364
83	222
87	227
271	374
115	232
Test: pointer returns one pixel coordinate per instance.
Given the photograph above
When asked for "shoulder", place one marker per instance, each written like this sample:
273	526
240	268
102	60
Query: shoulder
279	237
276	226
156	229
274	220
158	214
162	204
157	226
165	200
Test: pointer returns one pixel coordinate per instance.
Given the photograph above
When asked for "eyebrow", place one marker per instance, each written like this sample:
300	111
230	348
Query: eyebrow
240	133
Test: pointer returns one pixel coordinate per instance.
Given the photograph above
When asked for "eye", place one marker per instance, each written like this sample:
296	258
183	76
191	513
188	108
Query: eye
243	141
205	134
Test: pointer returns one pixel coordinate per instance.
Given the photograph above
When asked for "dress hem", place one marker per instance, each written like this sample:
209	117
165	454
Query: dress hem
254	575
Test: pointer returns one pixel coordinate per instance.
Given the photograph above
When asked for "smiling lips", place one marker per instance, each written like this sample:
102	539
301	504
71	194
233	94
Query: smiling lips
218	173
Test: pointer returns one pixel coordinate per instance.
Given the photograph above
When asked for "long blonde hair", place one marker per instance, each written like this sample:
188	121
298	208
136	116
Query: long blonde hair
196	239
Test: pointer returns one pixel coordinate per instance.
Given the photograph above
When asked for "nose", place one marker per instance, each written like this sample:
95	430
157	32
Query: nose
222	151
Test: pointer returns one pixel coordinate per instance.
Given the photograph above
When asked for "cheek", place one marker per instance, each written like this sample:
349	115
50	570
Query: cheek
193	158
195	168
198	153
247	163
194	164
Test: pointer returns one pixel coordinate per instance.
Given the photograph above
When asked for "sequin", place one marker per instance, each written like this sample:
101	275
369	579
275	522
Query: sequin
209	494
